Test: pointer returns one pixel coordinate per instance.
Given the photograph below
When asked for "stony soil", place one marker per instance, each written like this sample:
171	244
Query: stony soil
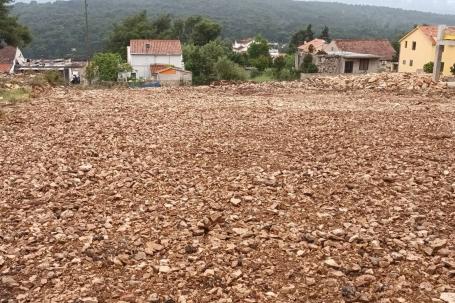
250	194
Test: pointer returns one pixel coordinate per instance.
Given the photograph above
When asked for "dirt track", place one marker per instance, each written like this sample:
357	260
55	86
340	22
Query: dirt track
225	195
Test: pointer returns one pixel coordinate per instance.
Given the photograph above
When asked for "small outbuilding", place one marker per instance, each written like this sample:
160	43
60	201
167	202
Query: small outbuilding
170	75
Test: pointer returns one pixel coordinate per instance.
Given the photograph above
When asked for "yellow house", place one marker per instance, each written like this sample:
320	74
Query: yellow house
418	47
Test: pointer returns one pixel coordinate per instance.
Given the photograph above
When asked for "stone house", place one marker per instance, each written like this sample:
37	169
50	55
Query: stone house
346	63
378	47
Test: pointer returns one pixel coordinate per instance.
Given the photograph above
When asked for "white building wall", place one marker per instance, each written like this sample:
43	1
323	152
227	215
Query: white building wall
141	63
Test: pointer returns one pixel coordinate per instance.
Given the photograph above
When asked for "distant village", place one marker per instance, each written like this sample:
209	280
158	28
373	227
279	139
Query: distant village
162	60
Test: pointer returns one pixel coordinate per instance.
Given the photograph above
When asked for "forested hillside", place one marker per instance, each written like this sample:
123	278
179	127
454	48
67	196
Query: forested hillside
58	27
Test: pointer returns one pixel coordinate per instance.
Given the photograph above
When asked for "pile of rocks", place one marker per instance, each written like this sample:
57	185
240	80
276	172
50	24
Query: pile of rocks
384	81
390	82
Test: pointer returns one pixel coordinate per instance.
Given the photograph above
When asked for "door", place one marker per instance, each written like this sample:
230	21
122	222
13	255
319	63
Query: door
348	67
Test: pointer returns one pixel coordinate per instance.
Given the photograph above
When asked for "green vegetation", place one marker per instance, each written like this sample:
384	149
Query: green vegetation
58	27
428	67
195	30
14	95
11	31
308	66
201	60
54	78
228	70
106	66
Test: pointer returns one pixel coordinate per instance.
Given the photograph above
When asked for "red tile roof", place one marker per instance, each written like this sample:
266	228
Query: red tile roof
155	68
7	56
156	47
318	44
381	48
5	68
431	31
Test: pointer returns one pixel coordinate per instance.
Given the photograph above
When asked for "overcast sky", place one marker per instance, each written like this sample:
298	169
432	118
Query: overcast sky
437	6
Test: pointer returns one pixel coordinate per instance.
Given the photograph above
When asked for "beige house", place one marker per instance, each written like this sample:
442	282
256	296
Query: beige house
418	47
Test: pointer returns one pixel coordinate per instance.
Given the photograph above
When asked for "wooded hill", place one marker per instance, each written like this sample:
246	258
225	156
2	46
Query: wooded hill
58	27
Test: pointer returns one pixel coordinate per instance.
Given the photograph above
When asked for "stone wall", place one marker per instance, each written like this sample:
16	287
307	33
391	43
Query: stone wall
328	64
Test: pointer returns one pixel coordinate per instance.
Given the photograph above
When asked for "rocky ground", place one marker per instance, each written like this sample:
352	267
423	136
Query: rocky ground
237	193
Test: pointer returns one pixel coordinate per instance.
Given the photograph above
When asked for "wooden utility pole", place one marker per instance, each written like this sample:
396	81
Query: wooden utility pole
87	37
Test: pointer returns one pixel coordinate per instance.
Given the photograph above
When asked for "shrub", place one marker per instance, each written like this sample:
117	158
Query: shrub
254	72
428	67
106	66
54	78
228	70
452	69
261	62
308	66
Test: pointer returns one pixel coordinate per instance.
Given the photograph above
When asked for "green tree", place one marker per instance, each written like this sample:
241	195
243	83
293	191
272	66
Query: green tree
428	67
133	27
204	31
308	66
194	30
262	62
325	35
258	54
279	63
228	70
201	60
11	31
301	36
106	66
259	47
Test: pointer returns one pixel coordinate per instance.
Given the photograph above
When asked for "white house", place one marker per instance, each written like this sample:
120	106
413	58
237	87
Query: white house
242	46
143	54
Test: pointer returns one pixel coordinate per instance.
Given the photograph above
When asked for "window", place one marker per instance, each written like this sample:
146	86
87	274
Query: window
406	44
414	45
404	62
411	62
442	67
363	65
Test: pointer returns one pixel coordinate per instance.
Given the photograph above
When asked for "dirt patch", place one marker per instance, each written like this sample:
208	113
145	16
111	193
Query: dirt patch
210	195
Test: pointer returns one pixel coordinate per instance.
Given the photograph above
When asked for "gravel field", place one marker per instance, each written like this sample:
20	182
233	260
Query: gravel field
253	193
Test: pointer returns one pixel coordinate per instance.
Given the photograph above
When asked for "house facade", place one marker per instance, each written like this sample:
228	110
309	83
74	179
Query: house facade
346	63
142	54
312	46
170	75
241	46
418	47
10	58
378	47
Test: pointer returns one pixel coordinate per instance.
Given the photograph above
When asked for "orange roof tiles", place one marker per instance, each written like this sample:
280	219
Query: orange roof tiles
156	47
381	48
318	44
155	68
431	31
7	56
